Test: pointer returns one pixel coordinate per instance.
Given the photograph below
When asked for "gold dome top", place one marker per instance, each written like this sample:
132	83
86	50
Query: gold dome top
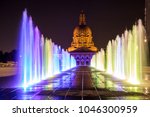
82	29
82	36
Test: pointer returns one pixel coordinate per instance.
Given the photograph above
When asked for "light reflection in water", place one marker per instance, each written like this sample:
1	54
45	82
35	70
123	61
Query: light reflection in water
115	89
102	81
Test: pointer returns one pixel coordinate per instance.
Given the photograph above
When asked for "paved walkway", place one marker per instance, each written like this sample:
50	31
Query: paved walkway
81	83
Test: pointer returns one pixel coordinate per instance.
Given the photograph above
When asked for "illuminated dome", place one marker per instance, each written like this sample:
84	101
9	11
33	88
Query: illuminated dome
82	36
82	30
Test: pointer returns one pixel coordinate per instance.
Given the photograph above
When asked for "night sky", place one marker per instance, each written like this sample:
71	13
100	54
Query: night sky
57	19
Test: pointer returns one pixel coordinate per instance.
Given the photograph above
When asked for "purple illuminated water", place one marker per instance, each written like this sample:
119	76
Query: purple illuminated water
39	57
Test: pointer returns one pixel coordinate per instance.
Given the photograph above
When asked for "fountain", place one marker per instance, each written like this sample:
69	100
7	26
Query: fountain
39	57
125	56
98	60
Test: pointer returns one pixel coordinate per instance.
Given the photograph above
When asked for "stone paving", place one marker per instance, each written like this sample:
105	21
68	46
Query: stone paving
81	83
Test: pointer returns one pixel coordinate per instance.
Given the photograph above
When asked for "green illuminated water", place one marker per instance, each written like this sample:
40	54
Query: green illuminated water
124	56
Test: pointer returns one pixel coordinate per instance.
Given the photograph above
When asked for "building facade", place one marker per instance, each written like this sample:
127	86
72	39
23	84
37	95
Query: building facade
82	47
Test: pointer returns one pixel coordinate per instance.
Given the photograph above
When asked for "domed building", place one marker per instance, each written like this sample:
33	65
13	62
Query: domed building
82	46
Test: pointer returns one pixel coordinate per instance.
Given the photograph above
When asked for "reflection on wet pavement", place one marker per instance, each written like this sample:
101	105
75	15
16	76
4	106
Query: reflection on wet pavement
81	83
